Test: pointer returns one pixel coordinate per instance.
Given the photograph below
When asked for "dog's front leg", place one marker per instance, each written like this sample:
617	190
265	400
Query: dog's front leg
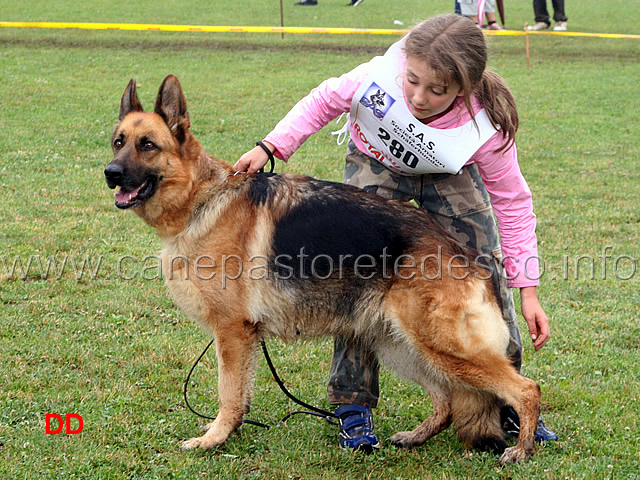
235	349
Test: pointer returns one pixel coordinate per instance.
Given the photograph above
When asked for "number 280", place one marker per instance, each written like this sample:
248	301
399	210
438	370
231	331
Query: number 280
397	149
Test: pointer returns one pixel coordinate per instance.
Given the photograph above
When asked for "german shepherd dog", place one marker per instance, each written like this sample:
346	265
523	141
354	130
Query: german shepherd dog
251	256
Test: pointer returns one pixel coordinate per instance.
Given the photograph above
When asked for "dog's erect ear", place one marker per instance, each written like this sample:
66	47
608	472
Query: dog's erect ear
172	107
130	102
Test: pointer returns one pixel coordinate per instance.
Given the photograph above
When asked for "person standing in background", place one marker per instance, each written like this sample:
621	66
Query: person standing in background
469	8
542	16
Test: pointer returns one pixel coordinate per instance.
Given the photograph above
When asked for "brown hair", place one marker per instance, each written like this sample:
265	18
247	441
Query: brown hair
455	48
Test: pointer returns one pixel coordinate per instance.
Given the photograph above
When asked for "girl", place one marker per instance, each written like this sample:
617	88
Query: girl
427	122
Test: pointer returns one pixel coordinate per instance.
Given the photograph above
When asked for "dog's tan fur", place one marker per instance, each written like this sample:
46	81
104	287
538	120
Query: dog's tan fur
446	334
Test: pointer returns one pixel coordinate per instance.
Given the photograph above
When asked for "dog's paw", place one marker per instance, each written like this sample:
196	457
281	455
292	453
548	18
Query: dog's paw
404	440
205	442
514	455
190	444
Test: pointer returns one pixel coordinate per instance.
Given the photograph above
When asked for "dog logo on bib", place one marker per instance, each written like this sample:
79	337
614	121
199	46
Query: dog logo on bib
377	100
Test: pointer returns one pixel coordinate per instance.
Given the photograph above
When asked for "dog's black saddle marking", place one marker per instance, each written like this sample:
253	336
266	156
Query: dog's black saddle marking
334	228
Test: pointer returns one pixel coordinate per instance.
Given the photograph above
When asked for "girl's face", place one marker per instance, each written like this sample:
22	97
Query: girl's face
426	95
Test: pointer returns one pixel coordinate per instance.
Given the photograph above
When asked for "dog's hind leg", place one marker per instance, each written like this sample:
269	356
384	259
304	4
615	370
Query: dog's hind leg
432	426
494	375
524	396
236	343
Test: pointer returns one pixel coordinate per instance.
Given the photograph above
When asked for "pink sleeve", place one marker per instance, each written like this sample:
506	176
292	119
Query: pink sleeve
512	204
324	103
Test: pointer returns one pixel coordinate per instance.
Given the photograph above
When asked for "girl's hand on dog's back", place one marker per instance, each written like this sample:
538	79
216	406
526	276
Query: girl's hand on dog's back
253	160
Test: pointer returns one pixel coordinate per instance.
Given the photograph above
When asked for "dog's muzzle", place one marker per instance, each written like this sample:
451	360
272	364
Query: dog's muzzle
132	193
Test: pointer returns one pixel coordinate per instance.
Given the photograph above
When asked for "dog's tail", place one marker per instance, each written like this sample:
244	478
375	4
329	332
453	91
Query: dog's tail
477	417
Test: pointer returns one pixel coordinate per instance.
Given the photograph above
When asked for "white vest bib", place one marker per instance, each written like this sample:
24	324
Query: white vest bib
387	128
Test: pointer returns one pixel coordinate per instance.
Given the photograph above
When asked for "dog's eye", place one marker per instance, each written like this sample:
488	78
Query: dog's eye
117	144
147	146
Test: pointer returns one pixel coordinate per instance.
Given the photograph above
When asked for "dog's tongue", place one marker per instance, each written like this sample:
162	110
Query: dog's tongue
126	196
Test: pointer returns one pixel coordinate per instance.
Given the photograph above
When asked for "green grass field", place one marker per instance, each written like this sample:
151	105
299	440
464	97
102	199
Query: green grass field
97	334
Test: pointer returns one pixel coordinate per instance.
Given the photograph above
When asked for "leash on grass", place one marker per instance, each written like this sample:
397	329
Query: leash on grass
317	412
311	410
186	387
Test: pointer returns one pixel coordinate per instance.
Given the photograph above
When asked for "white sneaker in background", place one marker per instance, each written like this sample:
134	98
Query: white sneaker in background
560	27
538	26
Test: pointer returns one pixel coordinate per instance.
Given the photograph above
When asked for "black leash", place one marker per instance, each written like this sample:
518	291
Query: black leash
202	415
318	412
272	160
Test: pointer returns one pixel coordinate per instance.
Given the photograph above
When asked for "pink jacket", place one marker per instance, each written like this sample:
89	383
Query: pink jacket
509	192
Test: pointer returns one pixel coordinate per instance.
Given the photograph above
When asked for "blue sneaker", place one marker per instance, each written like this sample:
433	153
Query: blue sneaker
356	428
511	425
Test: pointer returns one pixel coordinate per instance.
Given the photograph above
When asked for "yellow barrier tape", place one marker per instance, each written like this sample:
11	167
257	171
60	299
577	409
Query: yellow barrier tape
258	29
202	28
562	34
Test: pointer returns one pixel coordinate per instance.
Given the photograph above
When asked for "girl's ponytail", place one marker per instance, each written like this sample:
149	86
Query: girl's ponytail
500	105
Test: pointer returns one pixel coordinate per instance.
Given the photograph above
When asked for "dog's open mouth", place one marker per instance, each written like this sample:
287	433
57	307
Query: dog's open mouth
136	197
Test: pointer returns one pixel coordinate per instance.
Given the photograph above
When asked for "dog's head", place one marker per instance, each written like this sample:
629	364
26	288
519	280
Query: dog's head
148	147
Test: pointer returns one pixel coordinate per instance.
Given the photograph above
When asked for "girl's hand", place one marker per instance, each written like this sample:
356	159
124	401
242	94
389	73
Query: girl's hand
535	317
254	159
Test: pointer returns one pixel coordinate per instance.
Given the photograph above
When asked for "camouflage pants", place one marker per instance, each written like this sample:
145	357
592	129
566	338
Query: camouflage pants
460	203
